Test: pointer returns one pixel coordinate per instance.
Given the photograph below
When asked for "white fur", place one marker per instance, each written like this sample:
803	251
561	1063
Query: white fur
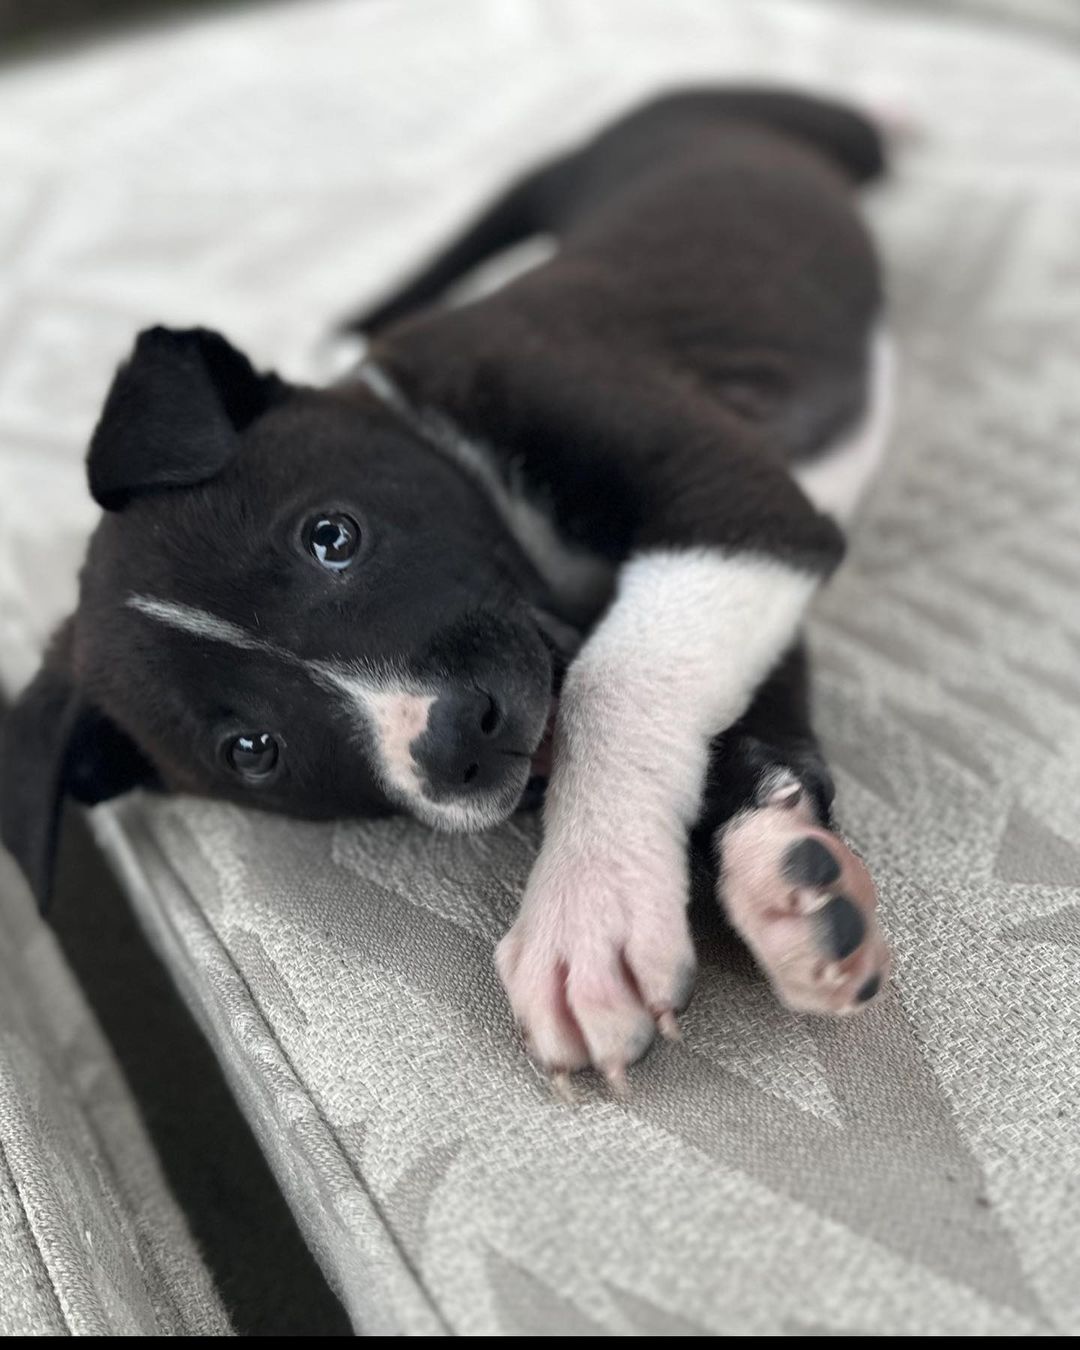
199	623
579	579
398	720
675	661
392	709
836	479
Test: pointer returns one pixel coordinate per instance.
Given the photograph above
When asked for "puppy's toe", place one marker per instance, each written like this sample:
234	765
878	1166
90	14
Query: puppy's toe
538	996
617	1025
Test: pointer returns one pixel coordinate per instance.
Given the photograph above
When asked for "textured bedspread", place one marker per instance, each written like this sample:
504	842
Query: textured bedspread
913	1171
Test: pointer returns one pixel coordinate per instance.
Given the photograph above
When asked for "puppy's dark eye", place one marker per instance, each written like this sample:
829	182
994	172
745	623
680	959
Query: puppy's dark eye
333	539
252	755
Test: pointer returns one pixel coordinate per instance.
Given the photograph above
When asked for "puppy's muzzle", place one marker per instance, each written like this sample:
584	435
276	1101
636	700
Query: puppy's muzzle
470	748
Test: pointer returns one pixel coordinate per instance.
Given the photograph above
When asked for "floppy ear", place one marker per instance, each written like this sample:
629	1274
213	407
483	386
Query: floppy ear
53	744
172	415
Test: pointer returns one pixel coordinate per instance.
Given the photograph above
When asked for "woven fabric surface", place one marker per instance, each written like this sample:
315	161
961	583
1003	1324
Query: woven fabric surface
91	1242
911	1171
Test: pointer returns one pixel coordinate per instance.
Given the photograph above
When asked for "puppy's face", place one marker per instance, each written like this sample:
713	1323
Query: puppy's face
291	601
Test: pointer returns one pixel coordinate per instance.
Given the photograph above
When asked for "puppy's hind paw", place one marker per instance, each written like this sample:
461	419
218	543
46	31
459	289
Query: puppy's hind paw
806	907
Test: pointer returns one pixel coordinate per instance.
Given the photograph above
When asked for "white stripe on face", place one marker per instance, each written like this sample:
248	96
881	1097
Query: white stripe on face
199	623
391	708
394	715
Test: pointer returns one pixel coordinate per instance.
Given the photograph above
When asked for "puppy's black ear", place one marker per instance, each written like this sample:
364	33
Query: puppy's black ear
173	412
53	744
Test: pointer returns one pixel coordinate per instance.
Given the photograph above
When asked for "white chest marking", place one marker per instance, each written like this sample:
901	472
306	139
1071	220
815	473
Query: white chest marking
580	580
836	480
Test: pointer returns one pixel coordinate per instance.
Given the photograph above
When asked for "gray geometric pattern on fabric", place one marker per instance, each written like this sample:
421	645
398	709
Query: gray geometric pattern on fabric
910	1171
91	1242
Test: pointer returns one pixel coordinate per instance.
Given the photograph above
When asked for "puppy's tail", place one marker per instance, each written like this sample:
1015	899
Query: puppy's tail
850	139
517	214
538	203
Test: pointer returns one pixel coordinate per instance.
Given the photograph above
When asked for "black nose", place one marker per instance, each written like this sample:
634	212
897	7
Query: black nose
464	748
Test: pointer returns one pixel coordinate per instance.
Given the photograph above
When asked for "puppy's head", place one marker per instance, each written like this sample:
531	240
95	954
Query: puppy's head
291	601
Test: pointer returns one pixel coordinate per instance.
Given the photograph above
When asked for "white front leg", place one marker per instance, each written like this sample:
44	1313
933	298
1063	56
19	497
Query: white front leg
600	953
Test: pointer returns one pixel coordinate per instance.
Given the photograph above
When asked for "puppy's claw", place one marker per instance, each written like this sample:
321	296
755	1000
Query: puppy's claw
616	1080
809	901
833	974
787	794
668	1024
561	1088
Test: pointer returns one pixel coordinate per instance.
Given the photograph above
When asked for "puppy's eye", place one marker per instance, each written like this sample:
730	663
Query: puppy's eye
253	754
333	540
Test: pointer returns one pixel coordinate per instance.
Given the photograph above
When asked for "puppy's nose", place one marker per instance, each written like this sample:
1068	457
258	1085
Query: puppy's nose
461	750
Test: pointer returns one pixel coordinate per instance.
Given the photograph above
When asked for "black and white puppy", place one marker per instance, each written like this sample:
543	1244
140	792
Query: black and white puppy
616	482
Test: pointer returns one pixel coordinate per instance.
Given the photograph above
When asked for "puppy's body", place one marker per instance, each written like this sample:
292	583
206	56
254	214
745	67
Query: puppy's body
708	317
643	445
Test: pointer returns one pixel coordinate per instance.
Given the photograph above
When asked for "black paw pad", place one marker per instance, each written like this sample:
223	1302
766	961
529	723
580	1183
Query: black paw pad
867	991
843	927
809	863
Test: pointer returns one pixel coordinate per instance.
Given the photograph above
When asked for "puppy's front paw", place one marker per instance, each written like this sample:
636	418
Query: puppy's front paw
600	958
